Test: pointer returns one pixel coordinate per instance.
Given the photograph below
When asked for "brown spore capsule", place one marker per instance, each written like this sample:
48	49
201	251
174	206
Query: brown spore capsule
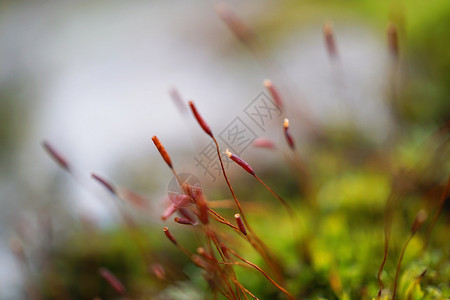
240	162
170	236
105	183
240	224
287	134
199	119
60	160
162	151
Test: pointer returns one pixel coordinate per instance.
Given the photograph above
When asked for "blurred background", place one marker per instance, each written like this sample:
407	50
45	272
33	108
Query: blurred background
93	79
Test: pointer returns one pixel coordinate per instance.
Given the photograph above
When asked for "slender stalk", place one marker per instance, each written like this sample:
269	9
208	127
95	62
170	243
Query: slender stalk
399	265
223	274
418	222
229	184
228	269
171	238
246	291
222	220
211	237
260	247
289	209
113	281
445	194
388	216
288	294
